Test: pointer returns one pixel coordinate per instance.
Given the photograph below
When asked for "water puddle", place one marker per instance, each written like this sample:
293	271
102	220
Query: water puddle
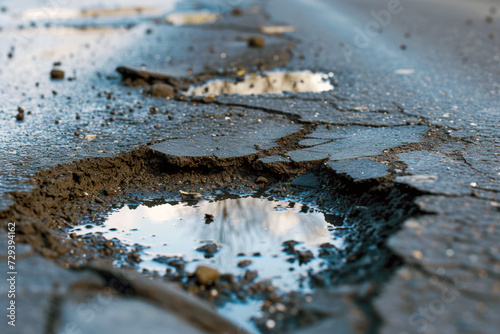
78	13
192	18
36	10
404	71
69	13
232	235
279	240
268	83
240	314
276	30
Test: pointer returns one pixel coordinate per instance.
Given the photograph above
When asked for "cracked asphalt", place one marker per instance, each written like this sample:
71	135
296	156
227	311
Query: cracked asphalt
416	103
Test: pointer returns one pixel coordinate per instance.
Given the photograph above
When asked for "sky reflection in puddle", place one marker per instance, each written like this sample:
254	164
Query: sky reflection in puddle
244	229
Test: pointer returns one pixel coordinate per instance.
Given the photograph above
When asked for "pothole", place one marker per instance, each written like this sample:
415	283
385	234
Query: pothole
358	219
272	241
276	82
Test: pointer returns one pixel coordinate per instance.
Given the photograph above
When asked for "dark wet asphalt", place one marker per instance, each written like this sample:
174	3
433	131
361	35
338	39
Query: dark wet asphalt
454	62
448	46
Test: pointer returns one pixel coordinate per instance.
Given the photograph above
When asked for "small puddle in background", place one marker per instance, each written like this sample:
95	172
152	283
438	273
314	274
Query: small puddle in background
243	229
192	18
69	13
268	83
82	13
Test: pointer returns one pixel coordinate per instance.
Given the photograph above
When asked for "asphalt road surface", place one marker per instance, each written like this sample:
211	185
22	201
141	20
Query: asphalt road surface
415	106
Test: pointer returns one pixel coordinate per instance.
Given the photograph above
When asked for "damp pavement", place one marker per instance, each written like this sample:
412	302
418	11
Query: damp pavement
415	103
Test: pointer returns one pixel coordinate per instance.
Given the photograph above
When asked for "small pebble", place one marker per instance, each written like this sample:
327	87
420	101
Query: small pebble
57	74
256	42
237	11
244	263
418	255
270	323
206	275
162	90
261	179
